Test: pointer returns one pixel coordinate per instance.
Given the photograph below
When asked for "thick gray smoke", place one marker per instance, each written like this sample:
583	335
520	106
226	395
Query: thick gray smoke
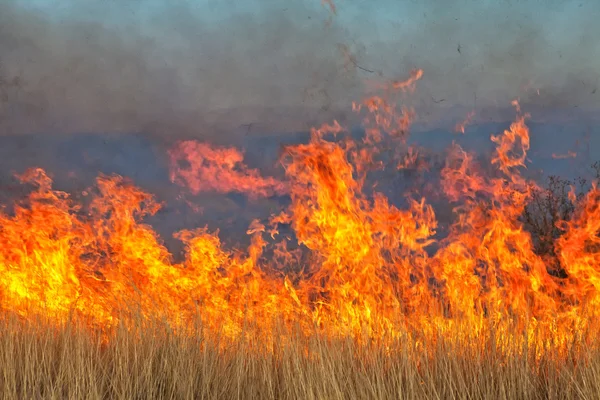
209	69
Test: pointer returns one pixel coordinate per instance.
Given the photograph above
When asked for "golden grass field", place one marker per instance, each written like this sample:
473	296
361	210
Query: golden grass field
67	362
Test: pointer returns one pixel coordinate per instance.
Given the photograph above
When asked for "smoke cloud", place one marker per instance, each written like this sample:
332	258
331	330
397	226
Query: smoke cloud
219	70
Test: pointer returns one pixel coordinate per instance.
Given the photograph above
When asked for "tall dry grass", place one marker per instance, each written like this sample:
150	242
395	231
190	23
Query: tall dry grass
150	361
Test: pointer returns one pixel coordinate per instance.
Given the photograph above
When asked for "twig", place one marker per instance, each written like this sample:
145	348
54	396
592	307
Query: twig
248	126
361	68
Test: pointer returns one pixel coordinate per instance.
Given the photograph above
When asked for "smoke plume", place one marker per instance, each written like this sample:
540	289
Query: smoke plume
215	71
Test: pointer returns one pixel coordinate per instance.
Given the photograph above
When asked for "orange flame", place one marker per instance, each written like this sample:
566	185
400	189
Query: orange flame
409	84
460	127
371	271
211	169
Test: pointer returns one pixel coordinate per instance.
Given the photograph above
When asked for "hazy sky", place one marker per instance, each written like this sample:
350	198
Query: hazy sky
203	68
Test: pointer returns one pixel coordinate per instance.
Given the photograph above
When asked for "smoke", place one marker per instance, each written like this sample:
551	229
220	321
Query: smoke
183	70
217	71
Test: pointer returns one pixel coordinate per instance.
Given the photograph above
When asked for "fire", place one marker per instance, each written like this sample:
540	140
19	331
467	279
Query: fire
371	271
408	84
201	167
460	127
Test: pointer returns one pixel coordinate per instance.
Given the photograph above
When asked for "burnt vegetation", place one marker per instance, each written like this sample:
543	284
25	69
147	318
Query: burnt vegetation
550	207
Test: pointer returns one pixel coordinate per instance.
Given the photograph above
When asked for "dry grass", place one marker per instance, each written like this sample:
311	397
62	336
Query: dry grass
38	361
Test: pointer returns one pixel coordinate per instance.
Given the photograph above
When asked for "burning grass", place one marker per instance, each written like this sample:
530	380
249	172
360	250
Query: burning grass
371	310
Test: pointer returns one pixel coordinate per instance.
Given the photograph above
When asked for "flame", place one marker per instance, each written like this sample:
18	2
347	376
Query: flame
370	270
408	84
460	127
201	167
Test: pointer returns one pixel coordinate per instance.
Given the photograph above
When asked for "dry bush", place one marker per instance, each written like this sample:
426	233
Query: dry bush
550	206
